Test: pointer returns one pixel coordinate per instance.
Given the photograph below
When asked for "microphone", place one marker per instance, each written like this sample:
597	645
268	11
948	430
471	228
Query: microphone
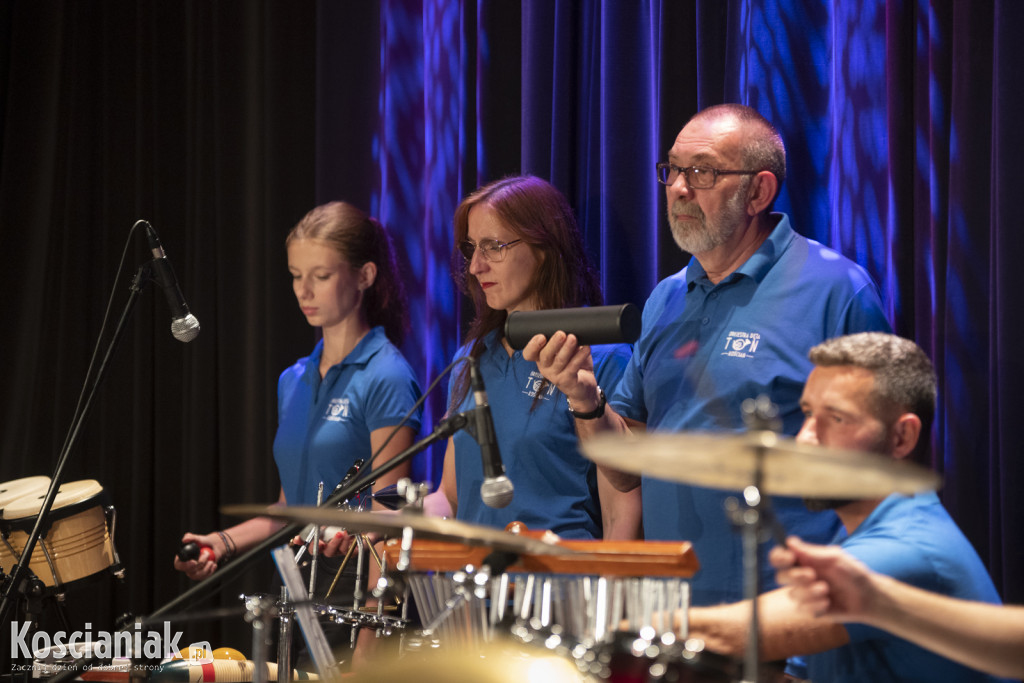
496	491
591	325
184	325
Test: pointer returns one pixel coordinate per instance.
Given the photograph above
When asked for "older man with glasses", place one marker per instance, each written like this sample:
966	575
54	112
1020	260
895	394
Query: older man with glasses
735	324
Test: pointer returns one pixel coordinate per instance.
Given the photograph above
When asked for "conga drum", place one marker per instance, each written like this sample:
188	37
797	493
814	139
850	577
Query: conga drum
11	491
75	541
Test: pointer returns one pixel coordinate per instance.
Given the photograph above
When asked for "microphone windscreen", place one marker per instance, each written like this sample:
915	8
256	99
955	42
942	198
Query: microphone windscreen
591	325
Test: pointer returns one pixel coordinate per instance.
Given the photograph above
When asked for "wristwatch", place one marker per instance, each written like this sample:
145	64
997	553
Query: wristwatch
593	414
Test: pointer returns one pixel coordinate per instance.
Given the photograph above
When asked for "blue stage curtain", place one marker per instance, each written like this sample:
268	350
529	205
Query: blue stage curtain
223	123
891	112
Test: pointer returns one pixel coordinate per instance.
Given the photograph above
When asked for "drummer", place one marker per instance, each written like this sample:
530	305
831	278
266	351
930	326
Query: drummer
871	392
518	248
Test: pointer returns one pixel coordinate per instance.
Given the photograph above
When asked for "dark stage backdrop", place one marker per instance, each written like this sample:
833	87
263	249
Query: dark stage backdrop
223	123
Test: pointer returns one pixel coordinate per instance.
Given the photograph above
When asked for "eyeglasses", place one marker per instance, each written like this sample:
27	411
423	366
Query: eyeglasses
492	250
697	177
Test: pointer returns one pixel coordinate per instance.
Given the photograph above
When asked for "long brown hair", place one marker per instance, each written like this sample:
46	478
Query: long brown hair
537	213
359	238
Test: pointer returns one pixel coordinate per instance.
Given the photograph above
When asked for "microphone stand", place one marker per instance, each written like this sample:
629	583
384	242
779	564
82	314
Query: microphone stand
16	582
444	429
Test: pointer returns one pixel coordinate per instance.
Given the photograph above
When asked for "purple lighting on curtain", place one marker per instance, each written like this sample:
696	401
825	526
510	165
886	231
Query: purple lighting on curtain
419	114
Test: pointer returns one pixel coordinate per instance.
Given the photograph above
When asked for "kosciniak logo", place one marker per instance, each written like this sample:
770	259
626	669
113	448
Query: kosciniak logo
128	643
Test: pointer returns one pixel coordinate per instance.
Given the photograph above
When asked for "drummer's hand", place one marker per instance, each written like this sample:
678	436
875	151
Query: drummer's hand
205	565
337	541
334	541
824	580
566	364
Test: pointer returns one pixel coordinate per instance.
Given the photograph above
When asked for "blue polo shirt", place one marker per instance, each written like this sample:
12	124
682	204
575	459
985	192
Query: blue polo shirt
555	487
324	426
912	539
705	347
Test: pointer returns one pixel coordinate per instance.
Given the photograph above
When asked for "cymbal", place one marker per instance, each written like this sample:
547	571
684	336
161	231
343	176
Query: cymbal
729	461
434	528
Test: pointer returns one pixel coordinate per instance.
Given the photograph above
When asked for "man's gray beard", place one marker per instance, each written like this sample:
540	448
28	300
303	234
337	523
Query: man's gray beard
710	234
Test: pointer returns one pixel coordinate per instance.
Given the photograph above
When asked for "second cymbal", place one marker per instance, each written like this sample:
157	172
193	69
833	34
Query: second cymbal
730	461
433	528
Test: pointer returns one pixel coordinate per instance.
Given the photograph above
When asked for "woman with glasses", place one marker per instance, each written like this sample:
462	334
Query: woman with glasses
518	249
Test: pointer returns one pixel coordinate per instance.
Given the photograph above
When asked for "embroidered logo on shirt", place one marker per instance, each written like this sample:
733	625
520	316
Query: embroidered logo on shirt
337	410
533	385
741	344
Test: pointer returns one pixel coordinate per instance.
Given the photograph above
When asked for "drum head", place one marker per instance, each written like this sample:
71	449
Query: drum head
68	494
11	491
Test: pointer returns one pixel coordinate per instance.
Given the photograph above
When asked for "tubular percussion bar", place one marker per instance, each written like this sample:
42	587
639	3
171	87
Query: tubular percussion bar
471	610
481	591
601	609
684	599
499	589
524	596
544	602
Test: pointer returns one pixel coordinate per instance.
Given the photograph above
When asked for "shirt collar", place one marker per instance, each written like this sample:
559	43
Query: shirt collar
368	346
760	262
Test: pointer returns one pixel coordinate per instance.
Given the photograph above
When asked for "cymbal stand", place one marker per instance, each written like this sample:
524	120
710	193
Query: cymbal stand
314	560
749	518
260	612
753	518
358	595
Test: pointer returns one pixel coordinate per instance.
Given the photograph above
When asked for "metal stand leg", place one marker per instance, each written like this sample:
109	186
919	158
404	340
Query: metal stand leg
749	519
260	612
284	640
